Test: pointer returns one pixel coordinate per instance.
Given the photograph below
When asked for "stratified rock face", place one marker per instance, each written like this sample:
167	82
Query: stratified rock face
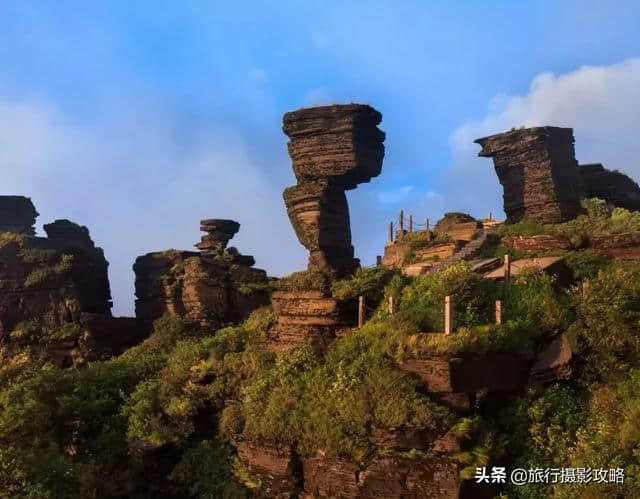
340	142
50	280
214	287
219	233
17	215
539	173
614	187
333	149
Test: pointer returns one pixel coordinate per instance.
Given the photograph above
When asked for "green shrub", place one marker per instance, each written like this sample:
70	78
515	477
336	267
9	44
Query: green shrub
305	281
608	325
369	282
422	301
49	273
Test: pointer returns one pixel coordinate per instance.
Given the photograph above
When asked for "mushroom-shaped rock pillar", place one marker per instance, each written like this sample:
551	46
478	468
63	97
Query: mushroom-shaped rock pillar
332	149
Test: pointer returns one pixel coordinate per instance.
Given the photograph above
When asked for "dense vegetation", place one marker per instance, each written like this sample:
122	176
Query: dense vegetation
187	395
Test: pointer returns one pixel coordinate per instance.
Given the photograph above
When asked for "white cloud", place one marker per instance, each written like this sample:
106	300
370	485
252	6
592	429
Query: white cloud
601	104
138	189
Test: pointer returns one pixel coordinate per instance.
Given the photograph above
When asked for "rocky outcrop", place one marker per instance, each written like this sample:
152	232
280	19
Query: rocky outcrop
554	360
52	280
455	381
451	221
332	149
214	287
614	187
543	242
538	171
17	215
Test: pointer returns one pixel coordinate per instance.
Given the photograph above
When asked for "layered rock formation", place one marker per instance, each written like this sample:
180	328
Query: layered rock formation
214	287
54	292
17	215
333	149
539	173
614	187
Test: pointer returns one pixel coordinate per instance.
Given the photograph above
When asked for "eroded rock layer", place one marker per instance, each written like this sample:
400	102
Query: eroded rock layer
214	287
538	171
332	149
51	279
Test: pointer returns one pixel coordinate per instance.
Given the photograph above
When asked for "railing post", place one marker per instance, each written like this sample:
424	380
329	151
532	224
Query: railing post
426	223
401	221
360	311
507	267
447	315
378	260
390	232
489	217
585	289
498	311
410	223
391	310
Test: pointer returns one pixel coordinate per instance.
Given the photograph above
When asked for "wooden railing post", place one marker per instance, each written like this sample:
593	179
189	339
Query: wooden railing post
401	221
391	310
390	232
360	311
585	289
426	223
498	311
378	260
447	315
410	223
507	267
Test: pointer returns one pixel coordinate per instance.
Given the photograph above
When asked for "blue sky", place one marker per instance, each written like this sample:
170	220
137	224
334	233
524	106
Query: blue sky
139	120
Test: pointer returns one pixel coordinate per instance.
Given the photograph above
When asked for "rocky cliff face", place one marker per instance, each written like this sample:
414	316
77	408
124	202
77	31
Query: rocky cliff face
54	292
51	279
539	173
614	187
214	287
332	149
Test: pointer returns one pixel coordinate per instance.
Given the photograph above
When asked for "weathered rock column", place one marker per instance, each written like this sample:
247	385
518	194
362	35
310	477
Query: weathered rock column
333	149
215	286
539	173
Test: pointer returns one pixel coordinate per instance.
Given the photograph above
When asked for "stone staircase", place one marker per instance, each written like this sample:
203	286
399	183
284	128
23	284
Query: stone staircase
468	251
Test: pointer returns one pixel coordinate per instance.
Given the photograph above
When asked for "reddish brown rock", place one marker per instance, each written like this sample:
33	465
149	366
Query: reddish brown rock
219	233
538	171
215	287
452	220
494	371
330	478
340	143
332	149
52	280
419	477
17	215
307	317
542	242
614	187
278	469
554	360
